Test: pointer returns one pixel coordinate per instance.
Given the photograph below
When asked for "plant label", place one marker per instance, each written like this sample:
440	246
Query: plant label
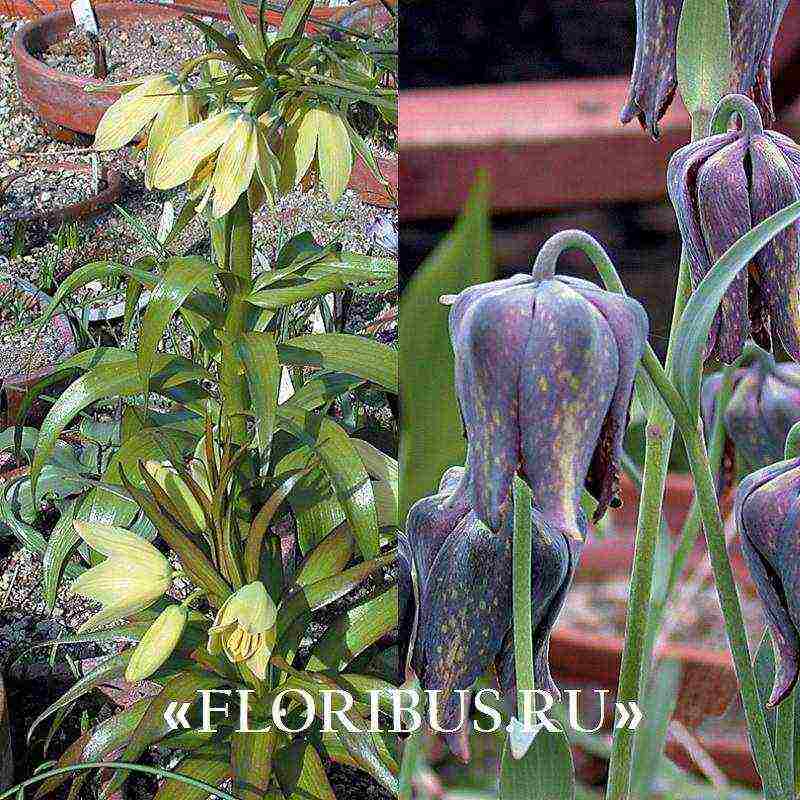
84	16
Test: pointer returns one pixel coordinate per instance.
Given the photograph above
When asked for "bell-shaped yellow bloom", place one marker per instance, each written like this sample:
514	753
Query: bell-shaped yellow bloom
162	100
133	576
156	646
241	153
244	628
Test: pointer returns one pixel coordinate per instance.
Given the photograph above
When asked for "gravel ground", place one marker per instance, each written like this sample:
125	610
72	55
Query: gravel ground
167	46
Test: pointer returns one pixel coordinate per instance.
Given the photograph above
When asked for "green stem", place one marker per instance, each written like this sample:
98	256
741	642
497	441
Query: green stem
159	773
239	262
521	587
784	742
731	611
411	752
658	444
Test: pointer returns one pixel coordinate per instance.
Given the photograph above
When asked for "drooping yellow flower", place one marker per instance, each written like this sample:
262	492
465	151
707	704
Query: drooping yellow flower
244	628
133	576
162	100
242	153
156	646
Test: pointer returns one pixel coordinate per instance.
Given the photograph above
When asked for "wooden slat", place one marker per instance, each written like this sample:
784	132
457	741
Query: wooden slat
549	145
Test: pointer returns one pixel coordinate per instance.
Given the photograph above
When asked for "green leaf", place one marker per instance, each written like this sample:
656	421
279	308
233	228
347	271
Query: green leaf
344	352
323	389
649	742
209	766
249	37
183	688
112	377
301	775
354	632
703	54
260	357
279	298
251	763
294	21
328	558
60	544
299	604
435	440
691	335
182	277
543	773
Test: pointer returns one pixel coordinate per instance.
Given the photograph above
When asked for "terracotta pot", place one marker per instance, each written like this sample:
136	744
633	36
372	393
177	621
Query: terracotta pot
62	101
82	209
33	9
13	387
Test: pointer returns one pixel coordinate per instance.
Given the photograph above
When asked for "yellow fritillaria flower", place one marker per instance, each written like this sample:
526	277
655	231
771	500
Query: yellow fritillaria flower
242	153
133	576
244	628
156	646
161	100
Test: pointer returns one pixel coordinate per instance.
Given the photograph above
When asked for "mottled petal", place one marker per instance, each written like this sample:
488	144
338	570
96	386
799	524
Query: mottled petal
489	333
767	514
762	91
751	28
773	188
744	423
780	405
629	324
565	393
653	81
465	612
724	206
681	186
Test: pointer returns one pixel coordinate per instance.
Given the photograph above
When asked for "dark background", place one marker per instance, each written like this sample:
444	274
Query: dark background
480	42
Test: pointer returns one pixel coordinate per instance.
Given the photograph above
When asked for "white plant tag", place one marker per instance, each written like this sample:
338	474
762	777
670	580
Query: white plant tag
95	162
84	16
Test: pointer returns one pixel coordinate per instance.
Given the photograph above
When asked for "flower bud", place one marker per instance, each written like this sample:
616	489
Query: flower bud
171	482
463	620
544	378
156	646
768	519
754	27
244	628
134	575
722	187
764	406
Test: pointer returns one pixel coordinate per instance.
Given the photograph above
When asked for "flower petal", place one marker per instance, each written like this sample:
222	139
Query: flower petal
235	164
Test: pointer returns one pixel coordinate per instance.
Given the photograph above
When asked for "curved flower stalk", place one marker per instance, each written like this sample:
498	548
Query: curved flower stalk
464	618
721	187
763	408
544	377
768	518
244	628
133	577
754	28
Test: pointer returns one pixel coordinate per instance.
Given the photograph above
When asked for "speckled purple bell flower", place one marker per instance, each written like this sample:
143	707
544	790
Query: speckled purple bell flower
764	405
460	624
721	187
767	513
544	374
754	28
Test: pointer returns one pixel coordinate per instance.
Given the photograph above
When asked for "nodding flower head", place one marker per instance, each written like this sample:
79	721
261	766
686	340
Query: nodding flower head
768	519
544	377
764	406
456	597
721	187
754	27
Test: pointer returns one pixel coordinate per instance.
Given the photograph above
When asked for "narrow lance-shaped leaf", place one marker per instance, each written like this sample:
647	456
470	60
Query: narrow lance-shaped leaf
691	335
260	357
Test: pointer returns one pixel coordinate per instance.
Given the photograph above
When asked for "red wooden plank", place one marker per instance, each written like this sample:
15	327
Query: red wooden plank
544	145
